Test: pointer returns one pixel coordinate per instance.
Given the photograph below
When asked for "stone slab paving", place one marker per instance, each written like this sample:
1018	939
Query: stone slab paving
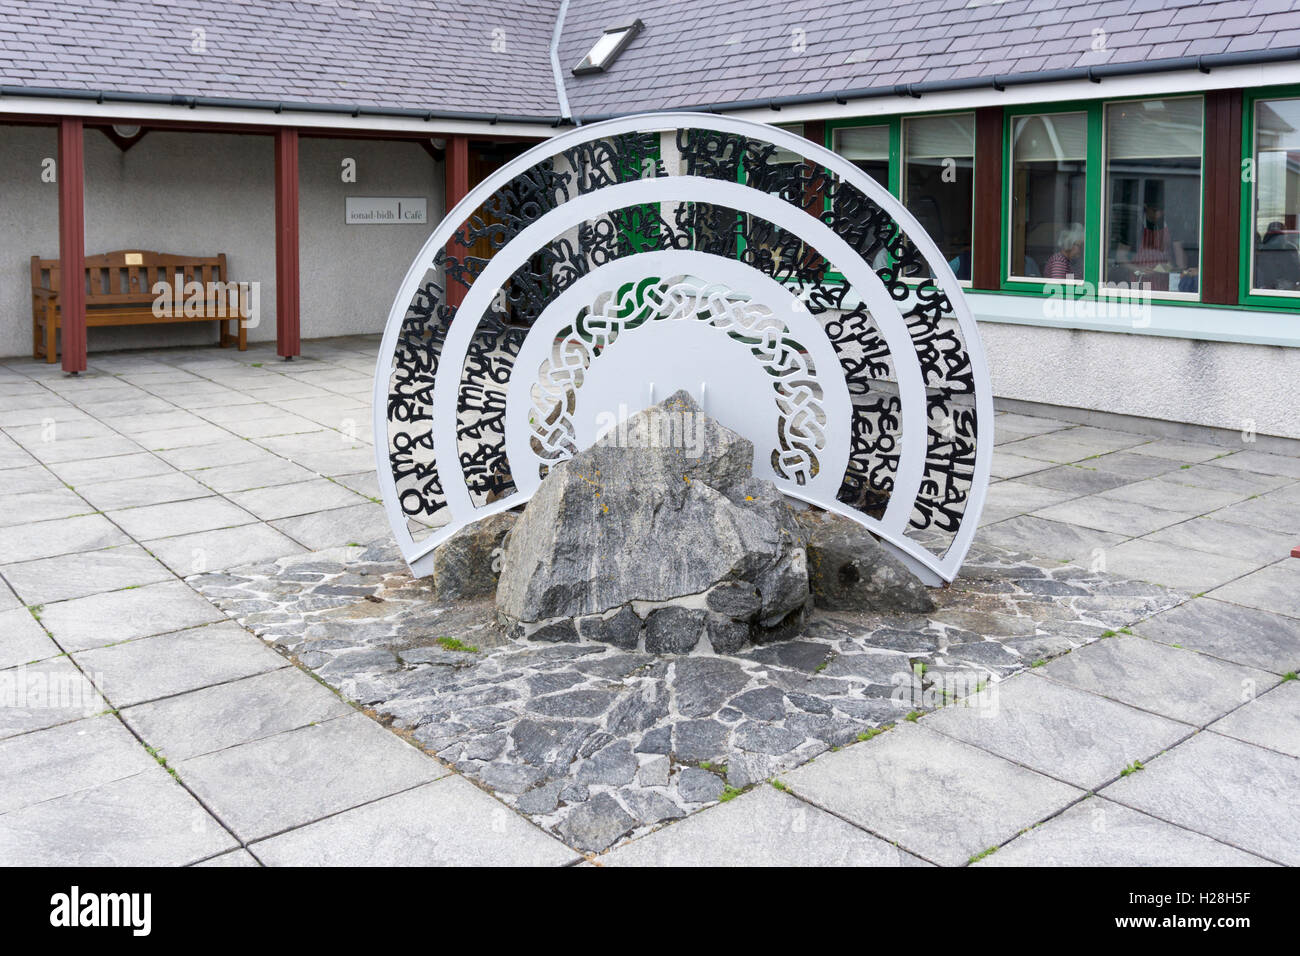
943	800
1271	720
123	488
1097	832
1076	737
448	822
764	827
1173	682
1238	793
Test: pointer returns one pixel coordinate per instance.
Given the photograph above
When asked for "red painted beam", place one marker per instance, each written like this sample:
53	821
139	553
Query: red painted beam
288	336
457	185
72	242
1295	552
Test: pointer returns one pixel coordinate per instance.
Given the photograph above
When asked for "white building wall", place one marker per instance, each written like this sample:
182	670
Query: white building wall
1220	384
29	225
349	274
206	193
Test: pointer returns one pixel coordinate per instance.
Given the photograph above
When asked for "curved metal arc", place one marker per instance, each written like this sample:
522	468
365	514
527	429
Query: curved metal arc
840	167
907	368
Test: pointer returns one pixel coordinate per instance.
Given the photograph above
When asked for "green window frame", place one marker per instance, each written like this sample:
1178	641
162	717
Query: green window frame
1095	212
1094	165
895	126
1280	302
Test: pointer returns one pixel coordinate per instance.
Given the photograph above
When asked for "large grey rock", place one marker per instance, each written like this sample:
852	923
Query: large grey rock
848	569
466	565
634	519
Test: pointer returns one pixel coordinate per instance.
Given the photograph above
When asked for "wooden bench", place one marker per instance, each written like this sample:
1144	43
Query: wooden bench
119	291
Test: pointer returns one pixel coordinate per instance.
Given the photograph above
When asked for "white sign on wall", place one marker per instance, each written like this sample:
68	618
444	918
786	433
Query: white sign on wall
386	211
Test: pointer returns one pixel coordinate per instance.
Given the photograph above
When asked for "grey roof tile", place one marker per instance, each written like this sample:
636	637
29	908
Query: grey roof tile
439	54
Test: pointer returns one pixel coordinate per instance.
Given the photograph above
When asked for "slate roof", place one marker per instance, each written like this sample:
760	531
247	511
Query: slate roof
447	56
714	52
427	54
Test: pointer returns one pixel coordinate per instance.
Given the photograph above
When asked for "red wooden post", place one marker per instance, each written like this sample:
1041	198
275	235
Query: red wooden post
288	336
457	185
72	243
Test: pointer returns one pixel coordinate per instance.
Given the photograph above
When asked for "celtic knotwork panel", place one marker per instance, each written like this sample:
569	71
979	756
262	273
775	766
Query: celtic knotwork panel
566	259
914	442
797	396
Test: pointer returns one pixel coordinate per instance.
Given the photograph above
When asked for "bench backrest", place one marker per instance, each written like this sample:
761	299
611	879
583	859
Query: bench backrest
129	275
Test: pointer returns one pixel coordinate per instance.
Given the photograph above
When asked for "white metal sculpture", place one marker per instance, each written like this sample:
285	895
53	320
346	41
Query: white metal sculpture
795	298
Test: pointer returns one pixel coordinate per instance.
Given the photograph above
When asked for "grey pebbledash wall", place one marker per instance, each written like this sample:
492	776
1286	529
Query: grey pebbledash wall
204	193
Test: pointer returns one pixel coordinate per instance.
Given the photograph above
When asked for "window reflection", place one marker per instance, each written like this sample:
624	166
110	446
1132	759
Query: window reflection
866	147
1048	195
938	182
1153	194
1276	241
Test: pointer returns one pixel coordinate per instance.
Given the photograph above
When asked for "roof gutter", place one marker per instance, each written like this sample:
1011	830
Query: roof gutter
1096	74
566	115
282	106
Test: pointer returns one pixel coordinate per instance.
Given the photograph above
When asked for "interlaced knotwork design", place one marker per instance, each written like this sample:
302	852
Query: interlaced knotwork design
801	419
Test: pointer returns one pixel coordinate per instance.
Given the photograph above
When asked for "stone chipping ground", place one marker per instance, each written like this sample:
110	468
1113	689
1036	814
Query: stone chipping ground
598	745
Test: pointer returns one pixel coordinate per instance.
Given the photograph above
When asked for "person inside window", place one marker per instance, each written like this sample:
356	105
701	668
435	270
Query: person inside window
1277	258
1157	250
1066	262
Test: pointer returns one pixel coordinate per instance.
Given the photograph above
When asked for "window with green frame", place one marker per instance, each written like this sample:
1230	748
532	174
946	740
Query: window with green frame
938	182
927	161
1270	241
1127	174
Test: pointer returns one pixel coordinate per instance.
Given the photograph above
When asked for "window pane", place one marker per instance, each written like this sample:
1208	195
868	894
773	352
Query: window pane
1048	195
1153	194
938	182
866	147
1277	195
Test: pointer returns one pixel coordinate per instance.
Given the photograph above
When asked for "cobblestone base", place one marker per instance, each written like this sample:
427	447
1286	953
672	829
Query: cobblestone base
596	744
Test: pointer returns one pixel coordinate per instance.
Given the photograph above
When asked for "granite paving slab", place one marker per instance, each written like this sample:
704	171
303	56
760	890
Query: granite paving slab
268	786
51	763
763	827
41	506
1074	736
1052	539
68	576
941	799
144	820
1264	463
1109	514
225	715
1237	793
1176	683
1098	832
153	667
45	539
180	517
448	822
1209	534
1274	588
1167	565
115	616
22	639
45	694
1231	632
1271	720
220	548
